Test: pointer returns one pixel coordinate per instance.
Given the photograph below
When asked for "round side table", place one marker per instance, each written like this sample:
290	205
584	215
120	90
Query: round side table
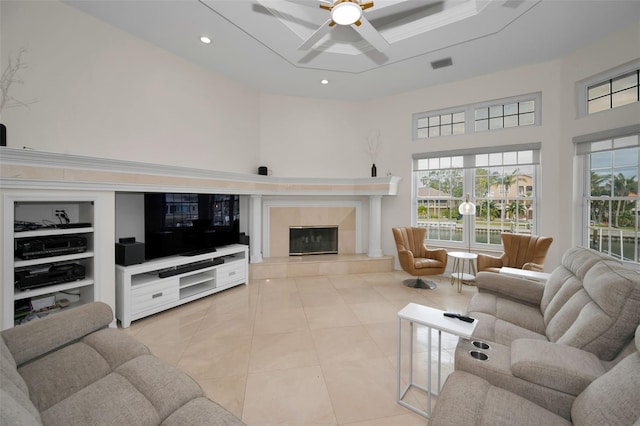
462	261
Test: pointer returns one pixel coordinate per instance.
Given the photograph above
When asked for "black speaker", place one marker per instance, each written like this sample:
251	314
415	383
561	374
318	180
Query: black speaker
262	170
129	253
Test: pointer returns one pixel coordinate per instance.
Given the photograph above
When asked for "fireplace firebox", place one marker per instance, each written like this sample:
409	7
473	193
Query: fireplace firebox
307	240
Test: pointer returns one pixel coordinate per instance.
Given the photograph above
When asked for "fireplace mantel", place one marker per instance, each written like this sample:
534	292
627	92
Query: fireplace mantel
27	169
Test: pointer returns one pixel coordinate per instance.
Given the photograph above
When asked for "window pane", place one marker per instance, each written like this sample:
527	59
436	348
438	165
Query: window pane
495	159
624	97
457	162
625	82
495	111
482	160
495	123
511	109
423	122
422	133
434	131
445	119
599	104
482	113
525	157
445	162
528	106
527	119
434	121
445	130
482	125
511	121
510	158
598	90
458	117
458	129
625	157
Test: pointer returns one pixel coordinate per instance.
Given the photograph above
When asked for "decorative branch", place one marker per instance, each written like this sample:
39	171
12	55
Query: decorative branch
373	145
8	79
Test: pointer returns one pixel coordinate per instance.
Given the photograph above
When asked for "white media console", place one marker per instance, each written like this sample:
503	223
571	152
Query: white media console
160	284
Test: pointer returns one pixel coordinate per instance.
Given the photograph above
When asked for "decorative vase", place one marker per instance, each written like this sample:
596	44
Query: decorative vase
374	171
3	135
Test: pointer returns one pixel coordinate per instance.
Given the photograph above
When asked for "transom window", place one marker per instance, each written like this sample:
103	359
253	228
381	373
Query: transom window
506	113
611	206
502	184
614	92
451	123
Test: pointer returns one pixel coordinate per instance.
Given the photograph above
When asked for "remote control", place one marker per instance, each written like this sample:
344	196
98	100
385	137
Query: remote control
460	317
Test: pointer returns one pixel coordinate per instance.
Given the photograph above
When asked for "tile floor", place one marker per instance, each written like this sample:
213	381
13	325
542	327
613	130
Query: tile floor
313	350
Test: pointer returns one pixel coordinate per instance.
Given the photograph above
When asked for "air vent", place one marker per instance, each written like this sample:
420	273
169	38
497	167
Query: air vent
441	63
513	4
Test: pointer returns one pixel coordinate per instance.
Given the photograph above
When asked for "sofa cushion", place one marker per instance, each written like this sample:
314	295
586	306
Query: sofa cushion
470	400
166	387
112	400
612	399
524	316
554	366
62	373
601	317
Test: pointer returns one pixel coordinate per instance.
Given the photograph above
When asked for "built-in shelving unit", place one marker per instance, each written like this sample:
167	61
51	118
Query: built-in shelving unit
48	269
161	284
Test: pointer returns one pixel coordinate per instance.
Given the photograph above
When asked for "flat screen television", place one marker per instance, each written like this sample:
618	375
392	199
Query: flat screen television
189	224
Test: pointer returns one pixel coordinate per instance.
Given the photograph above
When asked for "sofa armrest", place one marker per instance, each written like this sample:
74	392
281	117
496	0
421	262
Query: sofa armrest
511	287
552	365
530	266
36	338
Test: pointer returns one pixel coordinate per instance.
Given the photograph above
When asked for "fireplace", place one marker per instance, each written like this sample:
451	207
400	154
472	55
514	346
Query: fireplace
306	240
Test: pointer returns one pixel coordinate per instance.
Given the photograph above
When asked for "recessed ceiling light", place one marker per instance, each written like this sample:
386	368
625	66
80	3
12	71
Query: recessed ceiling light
324	81
205	39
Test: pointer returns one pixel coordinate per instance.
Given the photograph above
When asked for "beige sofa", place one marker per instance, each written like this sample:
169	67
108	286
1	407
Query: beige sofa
548	342
71	369
611	399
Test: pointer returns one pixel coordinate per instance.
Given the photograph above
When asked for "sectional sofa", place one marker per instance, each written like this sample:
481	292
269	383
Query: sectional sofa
71	369
551	344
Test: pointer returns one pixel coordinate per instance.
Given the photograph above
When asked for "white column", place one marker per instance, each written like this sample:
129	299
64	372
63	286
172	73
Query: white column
255	230
375	226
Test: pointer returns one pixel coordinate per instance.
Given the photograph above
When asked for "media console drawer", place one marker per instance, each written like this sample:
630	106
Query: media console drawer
231	272
151	295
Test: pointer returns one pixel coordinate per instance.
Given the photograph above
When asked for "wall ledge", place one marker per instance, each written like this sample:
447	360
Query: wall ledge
28	169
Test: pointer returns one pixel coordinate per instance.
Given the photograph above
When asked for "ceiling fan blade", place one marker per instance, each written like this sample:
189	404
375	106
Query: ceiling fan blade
371	35
315	37
366	4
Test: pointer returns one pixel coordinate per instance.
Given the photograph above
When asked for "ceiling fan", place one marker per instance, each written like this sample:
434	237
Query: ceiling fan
347	13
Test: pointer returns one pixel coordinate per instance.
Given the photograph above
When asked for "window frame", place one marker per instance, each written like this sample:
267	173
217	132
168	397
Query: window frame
585	146
469	169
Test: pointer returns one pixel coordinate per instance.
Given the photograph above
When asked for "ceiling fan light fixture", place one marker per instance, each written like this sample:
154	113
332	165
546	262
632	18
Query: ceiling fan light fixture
346	13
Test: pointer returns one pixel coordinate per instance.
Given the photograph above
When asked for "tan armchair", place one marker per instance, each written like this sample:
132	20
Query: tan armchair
520	251
416	259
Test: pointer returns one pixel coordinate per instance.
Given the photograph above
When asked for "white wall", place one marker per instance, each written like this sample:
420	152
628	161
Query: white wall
101	92
104	93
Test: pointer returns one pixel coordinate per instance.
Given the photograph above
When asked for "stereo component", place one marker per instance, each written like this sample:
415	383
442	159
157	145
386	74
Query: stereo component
34	248
30	278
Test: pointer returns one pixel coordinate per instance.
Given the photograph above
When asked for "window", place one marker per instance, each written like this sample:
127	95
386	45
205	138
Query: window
444	124
611	89
497	114
613	92
502	184
502	116
611	205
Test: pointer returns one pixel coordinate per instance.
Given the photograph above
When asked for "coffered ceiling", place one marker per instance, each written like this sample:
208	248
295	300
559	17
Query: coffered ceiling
256	42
